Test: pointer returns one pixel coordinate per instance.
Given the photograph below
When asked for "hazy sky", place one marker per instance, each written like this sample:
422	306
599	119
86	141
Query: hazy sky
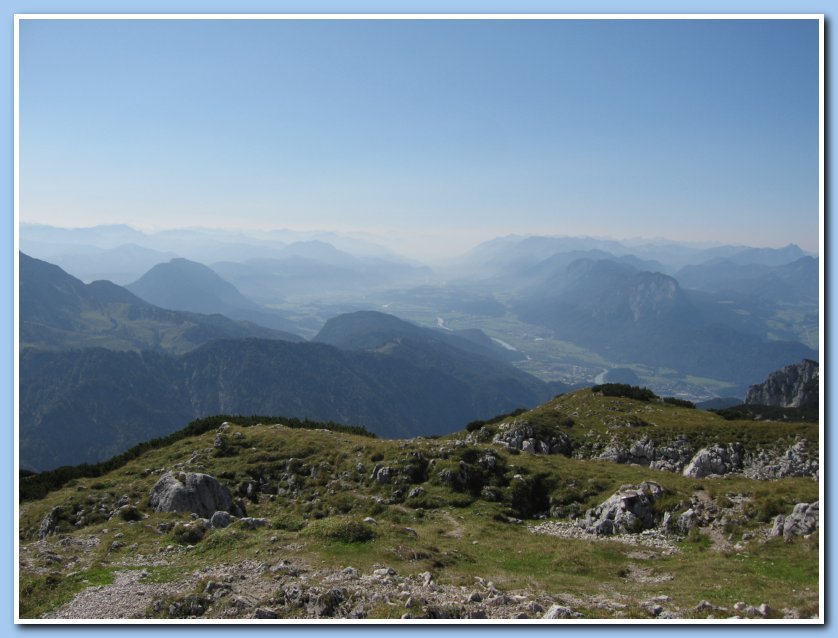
440	133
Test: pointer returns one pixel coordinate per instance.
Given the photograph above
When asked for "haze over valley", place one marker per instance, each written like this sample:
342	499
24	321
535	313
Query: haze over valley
505	325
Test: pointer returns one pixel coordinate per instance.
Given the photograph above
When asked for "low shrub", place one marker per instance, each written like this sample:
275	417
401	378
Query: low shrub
289	523
340	530
681	403
188	533
624	390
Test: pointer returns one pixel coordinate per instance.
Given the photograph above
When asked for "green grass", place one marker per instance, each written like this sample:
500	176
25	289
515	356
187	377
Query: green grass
453	532
44	592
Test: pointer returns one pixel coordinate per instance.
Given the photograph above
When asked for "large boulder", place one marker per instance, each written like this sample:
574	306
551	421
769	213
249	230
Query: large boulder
199	494
629	511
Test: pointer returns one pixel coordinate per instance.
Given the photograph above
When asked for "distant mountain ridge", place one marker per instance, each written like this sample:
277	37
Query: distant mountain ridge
370	330
793	282
59	311
186	285
634	316
81	406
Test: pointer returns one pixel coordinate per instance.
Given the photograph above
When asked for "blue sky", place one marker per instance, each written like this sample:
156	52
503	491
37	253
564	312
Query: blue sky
443	132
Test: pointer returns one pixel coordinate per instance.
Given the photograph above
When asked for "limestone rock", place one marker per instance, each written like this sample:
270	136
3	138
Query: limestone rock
49	524
199	494
629	510
220	519
716	459
804	519
559	611
252	523
522	436
798	460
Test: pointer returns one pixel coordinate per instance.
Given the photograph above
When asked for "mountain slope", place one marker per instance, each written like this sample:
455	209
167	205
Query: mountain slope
120	265
795	386
186	285
413	389
795	282
59	311
372	330
633	316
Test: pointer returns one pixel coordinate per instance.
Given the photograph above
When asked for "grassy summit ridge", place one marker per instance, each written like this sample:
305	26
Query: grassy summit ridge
468	511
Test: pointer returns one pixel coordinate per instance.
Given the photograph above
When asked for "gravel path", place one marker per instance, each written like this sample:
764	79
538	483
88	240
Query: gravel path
126	597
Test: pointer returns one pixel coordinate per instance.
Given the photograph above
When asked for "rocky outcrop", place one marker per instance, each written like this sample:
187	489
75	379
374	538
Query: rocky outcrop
670	457
804	519
798	460
49	524
523	437
628	511
794	386
716	459
199	494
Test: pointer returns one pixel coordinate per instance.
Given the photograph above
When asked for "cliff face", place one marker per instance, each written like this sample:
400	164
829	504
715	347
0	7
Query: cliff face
794	386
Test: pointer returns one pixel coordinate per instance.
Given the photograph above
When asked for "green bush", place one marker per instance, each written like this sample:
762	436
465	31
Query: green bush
289	523
340	530
188	533
681	403
475	425
624	390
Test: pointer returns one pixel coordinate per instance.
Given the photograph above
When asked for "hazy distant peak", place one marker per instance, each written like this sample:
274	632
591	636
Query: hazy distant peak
181	284
359	329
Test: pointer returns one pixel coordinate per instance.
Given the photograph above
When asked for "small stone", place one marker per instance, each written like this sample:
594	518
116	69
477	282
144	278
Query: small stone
370	520
220	519
475	597
557	611
264	614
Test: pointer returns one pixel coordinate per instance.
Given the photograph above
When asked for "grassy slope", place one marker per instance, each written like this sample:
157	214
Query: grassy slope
458	536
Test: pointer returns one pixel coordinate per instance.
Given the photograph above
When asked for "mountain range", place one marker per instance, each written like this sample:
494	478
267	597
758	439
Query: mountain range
186	339
631	315
58	311
81	404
